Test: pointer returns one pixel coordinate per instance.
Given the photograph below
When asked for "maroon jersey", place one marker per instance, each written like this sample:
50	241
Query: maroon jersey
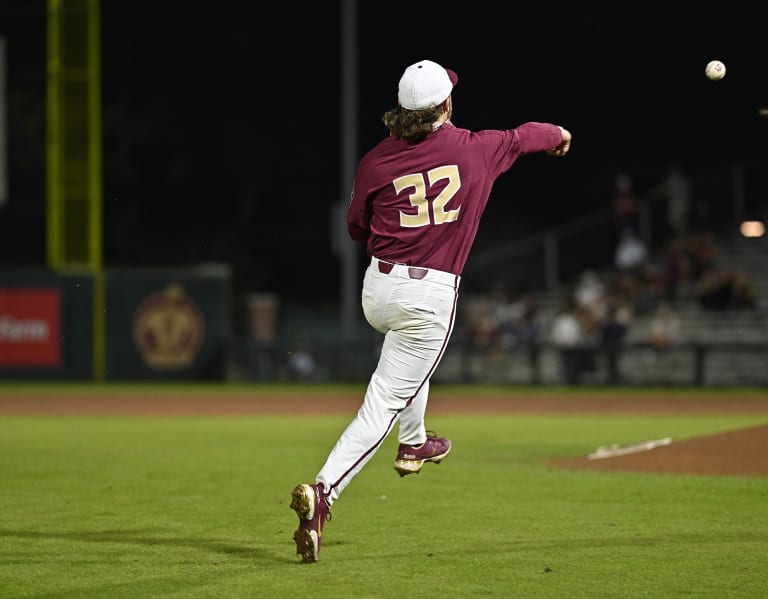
421	204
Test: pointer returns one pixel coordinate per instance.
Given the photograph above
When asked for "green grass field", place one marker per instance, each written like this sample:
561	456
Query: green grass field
197	506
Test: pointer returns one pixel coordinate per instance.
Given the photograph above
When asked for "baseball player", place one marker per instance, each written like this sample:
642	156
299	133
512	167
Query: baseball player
417	200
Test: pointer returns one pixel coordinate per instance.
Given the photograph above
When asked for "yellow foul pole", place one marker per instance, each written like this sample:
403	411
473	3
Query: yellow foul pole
74	186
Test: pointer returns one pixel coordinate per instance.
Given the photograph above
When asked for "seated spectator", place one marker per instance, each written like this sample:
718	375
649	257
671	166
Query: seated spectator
520	325
631	253
484	332
506	312
702	249
744	294
301	365
589	296
650	289
665	327
722	290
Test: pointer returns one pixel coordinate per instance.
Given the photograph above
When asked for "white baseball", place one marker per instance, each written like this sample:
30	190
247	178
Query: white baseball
715	70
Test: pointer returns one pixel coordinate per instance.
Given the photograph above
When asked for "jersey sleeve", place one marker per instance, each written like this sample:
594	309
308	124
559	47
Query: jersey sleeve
359	210
538	137
503	147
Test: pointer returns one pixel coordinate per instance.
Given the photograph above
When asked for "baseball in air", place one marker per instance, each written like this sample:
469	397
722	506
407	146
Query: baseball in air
715	70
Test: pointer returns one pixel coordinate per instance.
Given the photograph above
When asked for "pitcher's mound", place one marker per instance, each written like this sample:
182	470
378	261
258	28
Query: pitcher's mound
741	452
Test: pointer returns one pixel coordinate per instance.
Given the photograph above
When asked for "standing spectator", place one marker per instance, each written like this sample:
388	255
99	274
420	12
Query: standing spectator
677	271
624	204
613	330
679	193
676	190
528	332
567	334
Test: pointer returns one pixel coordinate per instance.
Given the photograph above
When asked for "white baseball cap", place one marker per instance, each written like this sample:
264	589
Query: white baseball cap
425	84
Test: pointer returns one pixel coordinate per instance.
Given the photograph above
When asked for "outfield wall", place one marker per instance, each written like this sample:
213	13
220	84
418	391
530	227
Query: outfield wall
161	324
46	325
176	324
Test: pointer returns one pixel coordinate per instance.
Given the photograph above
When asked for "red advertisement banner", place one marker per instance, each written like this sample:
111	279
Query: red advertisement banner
30	327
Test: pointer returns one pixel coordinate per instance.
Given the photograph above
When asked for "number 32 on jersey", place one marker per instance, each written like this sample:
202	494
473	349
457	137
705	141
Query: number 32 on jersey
418	187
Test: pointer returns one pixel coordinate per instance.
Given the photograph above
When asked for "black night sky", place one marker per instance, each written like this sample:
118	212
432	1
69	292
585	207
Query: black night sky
222	119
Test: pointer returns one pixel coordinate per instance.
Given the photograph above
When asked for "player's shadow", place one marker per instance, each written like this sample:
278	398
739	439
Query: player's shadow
142	537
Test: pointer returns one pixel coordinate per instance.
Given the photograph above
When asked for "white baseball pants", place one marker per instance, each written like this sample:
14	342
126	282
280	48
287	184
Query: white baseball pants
415	309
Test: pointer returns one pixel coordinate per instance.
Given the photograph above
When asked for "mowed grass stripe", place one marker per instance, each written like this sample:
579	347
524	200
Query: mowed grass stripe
197	506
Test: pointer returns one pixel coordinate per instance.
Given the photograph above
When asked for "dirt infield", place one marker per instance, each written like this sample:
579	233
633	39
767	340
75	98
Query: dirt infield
743	452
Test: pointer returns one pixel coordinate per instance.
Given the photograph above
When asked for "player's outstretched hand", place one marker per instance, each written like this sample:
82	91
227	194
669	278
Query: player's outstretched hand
565	145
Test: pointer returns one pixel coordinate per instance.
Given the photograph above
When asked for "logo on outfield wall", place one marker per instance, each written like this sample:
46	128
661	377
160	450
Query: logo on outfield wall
30	327
168	328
